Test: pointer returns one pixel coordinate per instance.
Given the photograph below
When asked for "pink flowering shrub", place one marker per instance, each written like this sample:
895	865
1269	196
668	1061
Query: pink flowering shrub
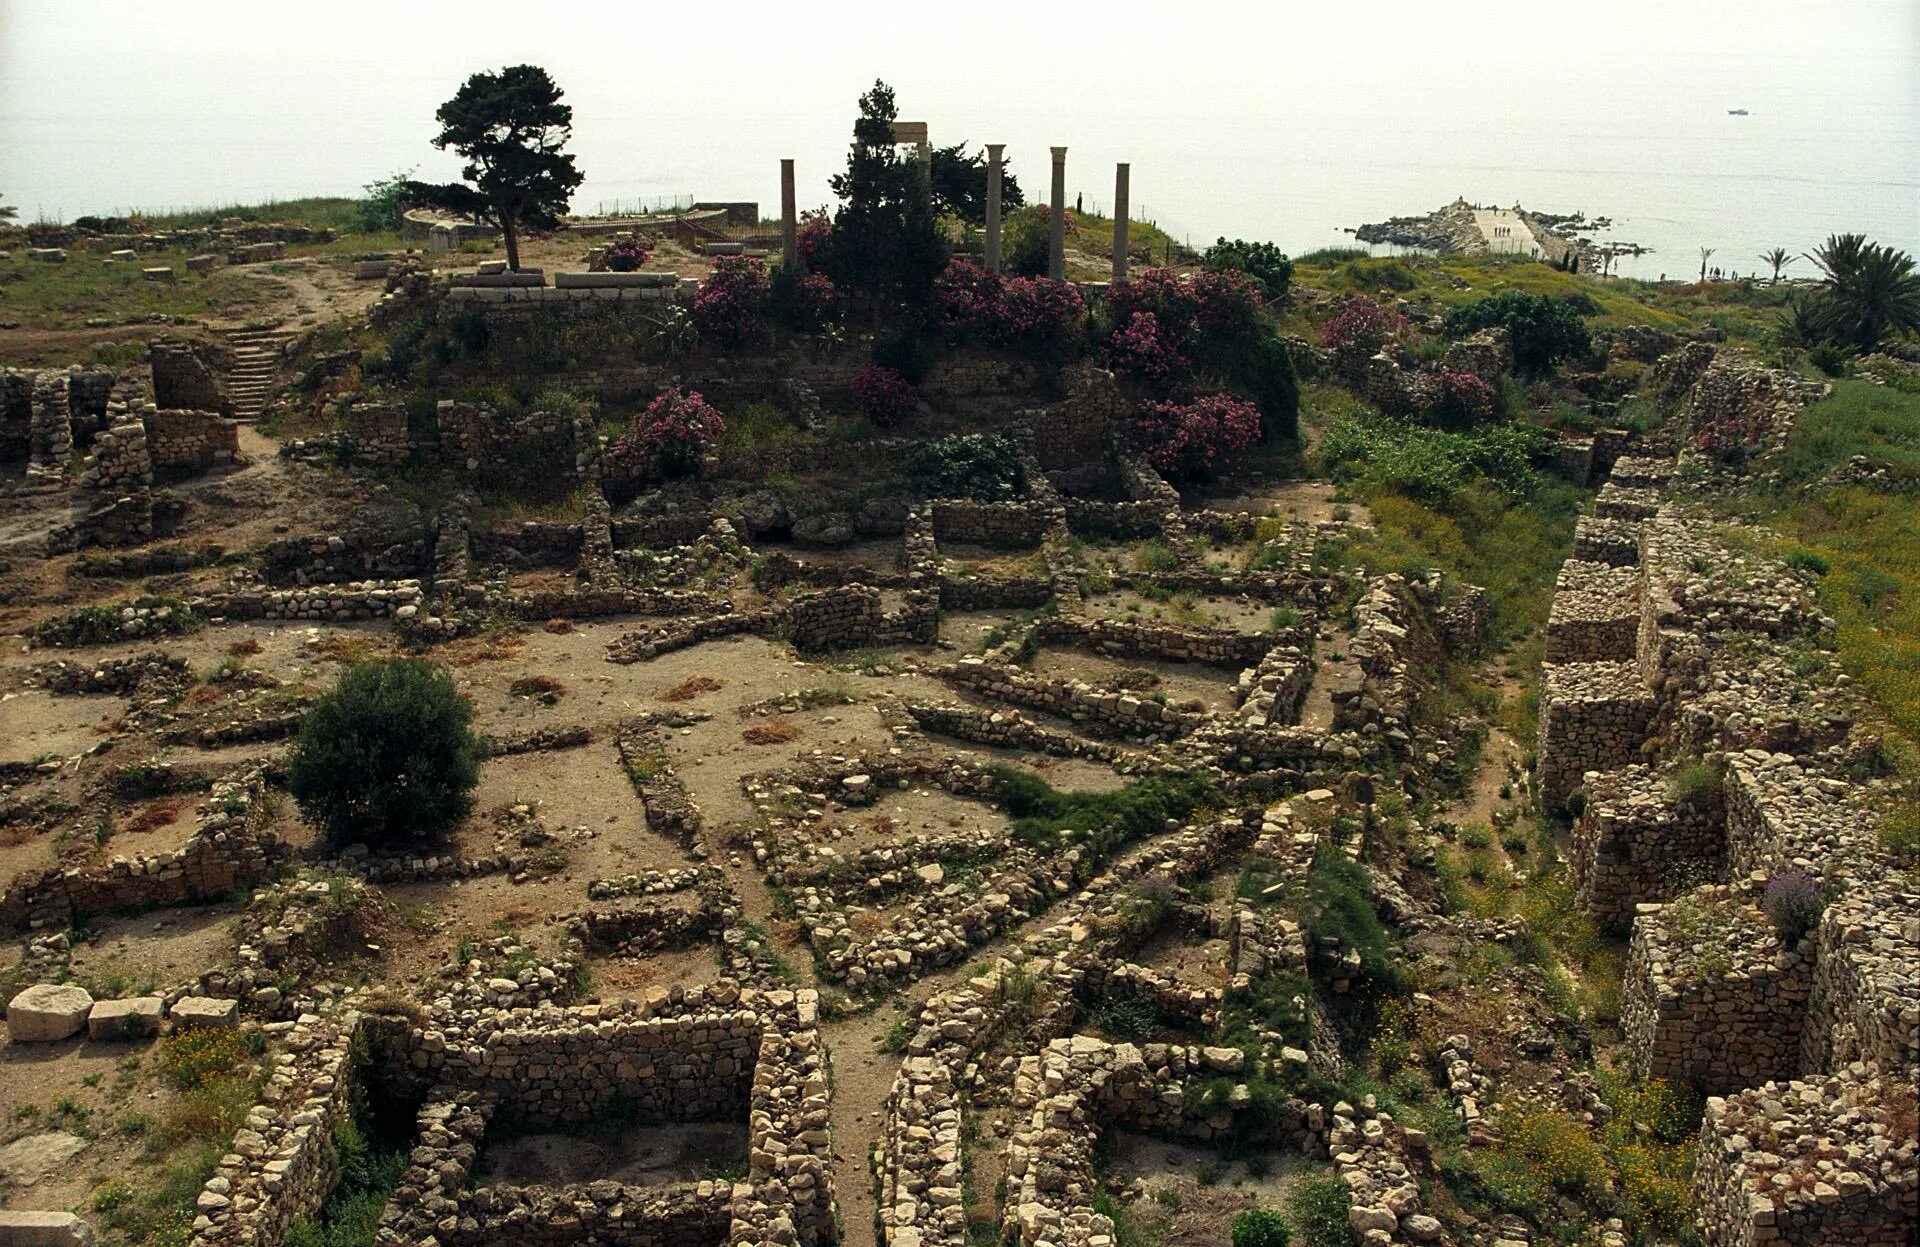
1139	349
1186	440
628	255
1040	316
1728	436
885	397
814	239
1361	328
729	303
1034	315
1044	214
801	300
670	435
967	298
1190	307
1455	400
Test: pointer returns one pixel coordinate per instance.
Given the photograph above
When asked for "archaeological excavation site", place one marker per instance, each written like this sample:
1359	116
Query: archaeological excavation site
943	721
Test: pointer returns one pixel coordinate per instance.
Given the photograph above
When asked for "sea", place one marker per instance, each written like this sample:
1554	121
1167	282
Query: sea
1283	121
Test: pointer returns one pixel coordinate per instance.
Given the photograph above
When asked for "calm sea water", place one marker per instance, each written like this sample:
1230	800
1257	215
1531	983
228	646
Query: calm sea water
1280	123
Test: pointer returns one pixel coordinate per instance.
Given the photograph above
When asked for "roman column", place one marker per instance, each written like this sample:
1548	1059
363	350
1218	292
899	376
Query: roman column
1119	223
1057	219
789	219
993	205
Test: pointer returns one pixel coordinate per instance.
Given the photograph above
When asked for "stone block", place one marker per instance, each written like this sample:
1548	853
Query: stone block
204	1011
133	1018
597	281
47	1011
20	1228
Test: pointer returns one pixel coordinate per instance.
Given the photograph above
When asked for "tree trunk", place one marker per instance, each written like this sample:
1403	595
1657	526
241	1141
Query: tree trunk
513	242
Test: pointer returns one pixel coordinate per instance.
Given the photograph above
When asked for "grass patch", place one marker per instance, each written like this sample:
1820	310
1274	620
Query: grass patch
1045	816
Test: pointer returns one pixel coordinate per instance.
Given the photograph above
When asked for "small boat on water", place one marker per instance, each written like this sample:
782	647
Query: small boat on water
1737	112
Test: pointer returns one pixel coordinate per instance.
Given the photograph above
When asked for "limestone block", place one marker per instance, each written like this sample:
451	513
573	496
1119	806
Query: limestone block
44	1229
204	1011
47	1011
131	1018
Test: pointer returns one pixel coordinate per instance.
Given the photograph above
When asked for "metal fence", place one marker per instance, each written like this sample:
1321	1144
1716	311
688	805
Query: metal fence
655	206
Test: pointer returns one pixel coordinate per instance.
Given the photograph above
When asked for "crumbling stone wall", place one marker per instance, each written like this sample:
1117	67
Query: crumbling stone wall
1595	615
551	1068
1865	1003
377	550
230	848
376	434
998	525
51	429
1105	713
1754	403
284	1161
533	446
1078	429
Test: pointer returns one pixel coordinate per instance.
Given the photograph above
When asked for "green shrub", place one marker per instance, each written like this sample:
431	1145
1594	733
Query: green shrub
983	466
1319	1208
1258	1227
910	354
1428	464
387	755
1262	261
1545	330
1694	784
1371	273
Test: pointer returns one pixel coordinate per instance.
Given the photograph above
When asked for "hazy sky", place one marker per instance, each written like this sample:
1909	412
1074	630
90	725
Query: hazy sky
109	103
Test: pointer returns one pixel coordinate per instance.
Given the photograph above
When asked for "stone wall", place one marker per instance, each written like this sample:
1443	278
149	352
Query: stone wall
1756	403
555	1067
191	441
1616	543
1126	638
51	427
375	434
1079	429
1865	1003
1096	710
230	848
998	525
534	446
1822	1162
839	618
369	599
284	1161
1634	842
1713	998
1595	615
1594	716
189	375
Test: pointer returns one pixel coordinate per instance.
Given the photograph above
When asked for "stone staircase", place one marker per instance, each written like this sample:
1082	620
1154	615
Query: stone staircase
256	360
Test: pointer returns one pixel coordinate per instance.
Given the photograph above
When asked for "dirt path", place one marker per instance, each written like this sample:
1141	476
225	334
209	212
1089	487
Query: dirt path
1329	673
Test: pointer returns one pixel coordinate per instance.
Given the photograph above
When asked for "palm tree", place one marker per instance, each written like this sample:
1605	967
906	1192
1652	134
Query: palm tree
1779	257
1706	253
8	212
1870	291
